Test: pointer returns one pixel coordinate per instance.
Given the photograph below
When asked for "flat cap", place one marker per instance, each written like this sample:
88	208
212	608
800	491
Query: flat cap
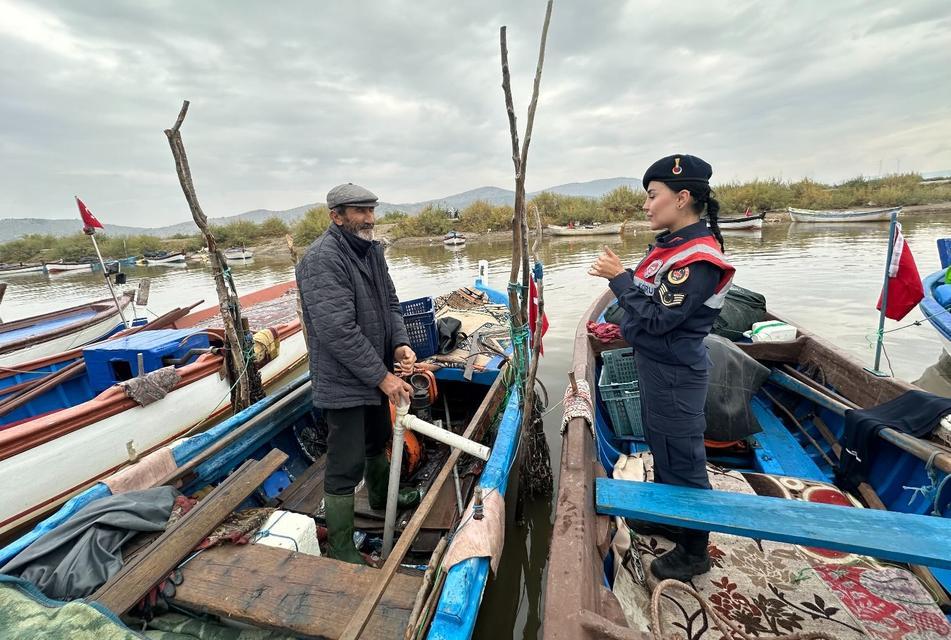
350	195
680	168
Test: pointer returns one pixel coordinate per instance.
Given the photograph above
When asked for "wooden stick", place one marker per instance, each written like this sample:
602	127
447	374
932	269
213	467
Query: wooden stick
421	596
514	305
230	309
148	569
362	615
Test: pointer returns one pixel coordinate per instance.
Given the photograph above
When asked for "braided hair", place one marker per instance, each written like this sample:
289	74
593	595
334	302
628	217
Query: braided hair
703	200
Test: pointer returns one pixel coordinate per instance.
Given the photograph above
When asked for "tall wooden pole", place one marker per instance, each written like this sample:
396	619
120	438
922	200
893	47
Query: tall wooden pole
230	310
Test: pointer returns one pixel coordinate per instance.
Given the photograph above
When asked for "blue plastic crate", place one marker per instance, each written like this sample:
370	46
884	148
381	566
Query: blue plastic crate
620	393
419	317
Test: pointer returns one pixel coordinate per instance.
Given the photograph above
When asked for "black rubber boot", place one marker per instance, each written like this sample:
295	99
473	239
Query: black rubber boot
338	511
377	475
688	559
644	528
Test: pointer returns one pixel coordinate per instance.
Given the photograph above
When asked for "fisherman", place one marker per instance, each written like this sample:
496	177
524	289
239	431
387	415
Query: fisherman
670	301
356	338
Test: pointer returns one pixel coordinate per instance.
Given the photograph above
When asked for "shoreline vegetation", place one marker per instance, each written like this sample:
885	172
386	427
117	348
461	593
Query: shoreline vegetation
482	221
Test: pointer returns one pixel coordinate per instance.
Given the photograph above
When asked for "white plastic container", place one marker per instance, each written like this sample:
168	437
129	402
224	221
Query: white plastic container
288	530
772	331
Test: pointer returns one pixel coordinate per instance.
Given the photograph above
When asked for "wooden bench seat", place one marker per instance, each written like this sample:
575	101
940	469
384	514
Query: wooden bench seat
305	595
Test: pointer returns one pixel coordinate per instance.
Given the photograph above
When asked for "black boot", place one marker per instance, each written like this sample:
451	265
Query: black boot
377	475
688	559
644	528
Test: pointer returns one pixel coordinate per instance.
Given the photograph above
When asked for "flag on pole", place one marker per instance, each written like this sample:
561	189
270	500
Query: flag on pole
533	313
904	284
89	220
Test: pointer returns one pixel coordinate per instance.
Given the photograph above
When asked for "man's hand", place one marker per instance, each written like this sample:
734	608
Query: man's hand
396	390
404	358
608	265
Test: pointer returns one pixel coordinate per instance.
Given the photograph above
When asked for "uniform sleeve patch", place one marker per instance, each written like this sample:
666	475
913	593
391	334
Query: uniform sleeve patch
669	299
678	276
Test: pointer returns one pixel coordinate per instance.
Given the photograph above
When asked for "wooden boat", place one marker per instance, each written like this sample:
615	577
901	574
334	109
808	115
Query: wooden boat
742	223
454	239
59	381
50	333
937	301
21	269
593	593
164	259
238	253
596	229
54	268
866	215
107	427
307	595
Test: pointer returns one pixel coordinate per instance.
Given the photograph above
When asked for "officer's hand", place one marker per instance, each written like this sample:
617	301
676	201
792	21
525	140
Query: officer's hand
608	265
396	390
405	358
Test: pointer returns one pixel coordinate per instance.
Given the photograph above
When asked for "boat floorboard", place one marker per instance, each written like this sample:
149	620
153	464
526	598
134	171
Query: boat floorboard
45	326
306	595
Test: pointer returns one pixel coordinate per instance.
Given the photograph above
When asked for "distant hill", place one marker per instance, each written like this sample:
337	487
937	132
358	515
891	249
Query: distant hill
13	228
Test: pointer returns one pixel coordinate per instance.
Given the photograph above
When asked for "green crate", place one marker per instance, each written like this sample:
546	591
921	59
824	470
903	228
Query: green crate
620	393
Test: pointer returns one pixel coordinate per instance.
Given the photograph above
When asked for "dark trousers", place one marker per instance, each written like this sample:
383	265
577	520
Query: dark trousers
672	402
354	434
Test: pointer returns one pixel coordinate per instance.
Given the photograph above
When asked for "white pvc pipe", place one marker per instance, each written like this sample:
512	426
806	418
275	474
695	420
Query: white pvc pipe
445	436
393	490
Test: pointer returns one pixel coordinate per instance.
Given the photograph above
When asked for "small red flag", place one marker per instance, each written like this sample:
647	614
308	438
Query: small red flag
89	220
905	289
533	313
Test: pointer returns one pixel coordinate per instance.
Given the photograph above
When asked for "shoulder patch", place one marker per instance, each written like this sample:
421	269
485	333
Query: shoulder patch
669	299
678	276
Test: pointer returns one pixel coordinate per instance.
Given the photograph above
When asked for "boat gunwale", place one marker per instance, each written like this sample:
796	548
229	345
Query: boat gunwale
103	308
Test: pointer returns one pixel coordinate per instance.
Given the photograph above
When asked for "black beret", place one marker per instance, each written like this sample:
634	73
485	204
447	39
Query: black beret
680	168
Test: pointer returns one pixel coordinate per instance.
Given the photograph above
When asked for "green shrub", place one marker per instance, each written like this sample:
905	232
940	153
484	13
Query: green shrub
308	228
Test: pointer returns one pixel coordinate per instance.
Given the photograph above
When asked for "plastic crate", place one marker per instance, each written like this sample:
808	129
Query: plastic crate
620	393
420	320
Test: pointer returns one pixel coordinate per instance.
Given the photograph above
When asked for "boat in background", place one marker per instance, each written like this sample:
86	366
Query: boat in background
238	253
596	229
92	439
454	239
163	258
51	333
747	222
21	269
599	580
56	268
859	215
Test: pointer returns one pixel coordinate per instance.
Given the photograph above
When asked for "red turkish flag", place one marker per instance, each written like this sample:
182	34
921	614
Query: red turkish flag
89	220
905	289
533	313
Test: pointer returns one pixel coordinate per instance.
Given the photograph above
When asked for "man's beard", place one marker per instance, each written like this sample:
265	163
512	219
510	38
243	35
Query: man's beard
362	231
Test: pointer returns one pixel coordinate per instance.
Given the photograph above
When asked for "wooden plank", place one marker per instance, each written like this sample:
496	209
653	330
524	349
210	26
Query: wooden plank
305	595
901	537
363	613
138	576
307	490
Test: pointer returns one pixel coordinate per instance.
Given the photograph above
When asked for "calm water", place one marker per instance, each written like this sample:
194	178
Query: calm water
823	277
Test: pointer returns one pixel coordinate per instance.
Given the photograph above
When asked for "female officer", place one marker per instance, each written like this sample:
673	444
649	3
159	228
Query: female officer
670	302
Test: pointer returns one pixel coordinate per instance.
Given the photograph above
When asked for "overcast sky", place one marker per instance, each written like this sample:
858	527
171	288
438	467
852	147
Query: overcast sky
290	98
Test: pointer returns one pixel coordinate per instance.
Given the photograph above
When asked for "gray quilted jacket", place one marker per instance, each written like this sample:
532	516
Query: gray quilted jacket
352	326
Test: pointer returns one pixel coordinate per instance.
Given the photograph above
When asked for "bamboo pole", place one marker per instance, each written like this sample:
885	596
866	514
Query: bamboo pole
230	309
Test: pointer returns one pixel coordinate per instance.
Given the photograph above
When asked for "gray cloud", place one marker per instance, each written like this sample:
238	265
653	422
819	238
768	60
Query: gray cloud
291	98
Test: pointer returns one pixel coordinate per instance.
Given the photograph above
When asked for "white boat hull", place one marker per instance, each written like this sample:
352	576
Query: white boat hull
455	242
174	260
90	453
68	268
22	271
742	225
873	215
62	343
599	230
239	255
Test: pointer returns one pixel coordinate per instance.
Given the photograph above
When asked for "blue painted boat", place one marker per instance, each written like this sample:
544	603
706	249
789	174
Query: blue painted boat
936	305
599	583
482	405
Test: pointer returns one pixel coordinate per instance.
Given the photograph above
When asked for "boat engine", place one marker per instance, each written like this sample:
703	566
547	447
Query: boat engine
422	397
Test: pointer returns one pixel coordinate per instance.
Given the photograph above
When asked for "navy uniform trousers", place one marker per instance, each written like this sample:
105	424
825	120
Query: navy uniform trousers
672	402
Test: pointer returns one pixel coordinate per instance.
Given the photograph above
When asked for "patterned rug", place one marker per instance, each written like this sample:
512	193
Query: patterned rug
771	588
